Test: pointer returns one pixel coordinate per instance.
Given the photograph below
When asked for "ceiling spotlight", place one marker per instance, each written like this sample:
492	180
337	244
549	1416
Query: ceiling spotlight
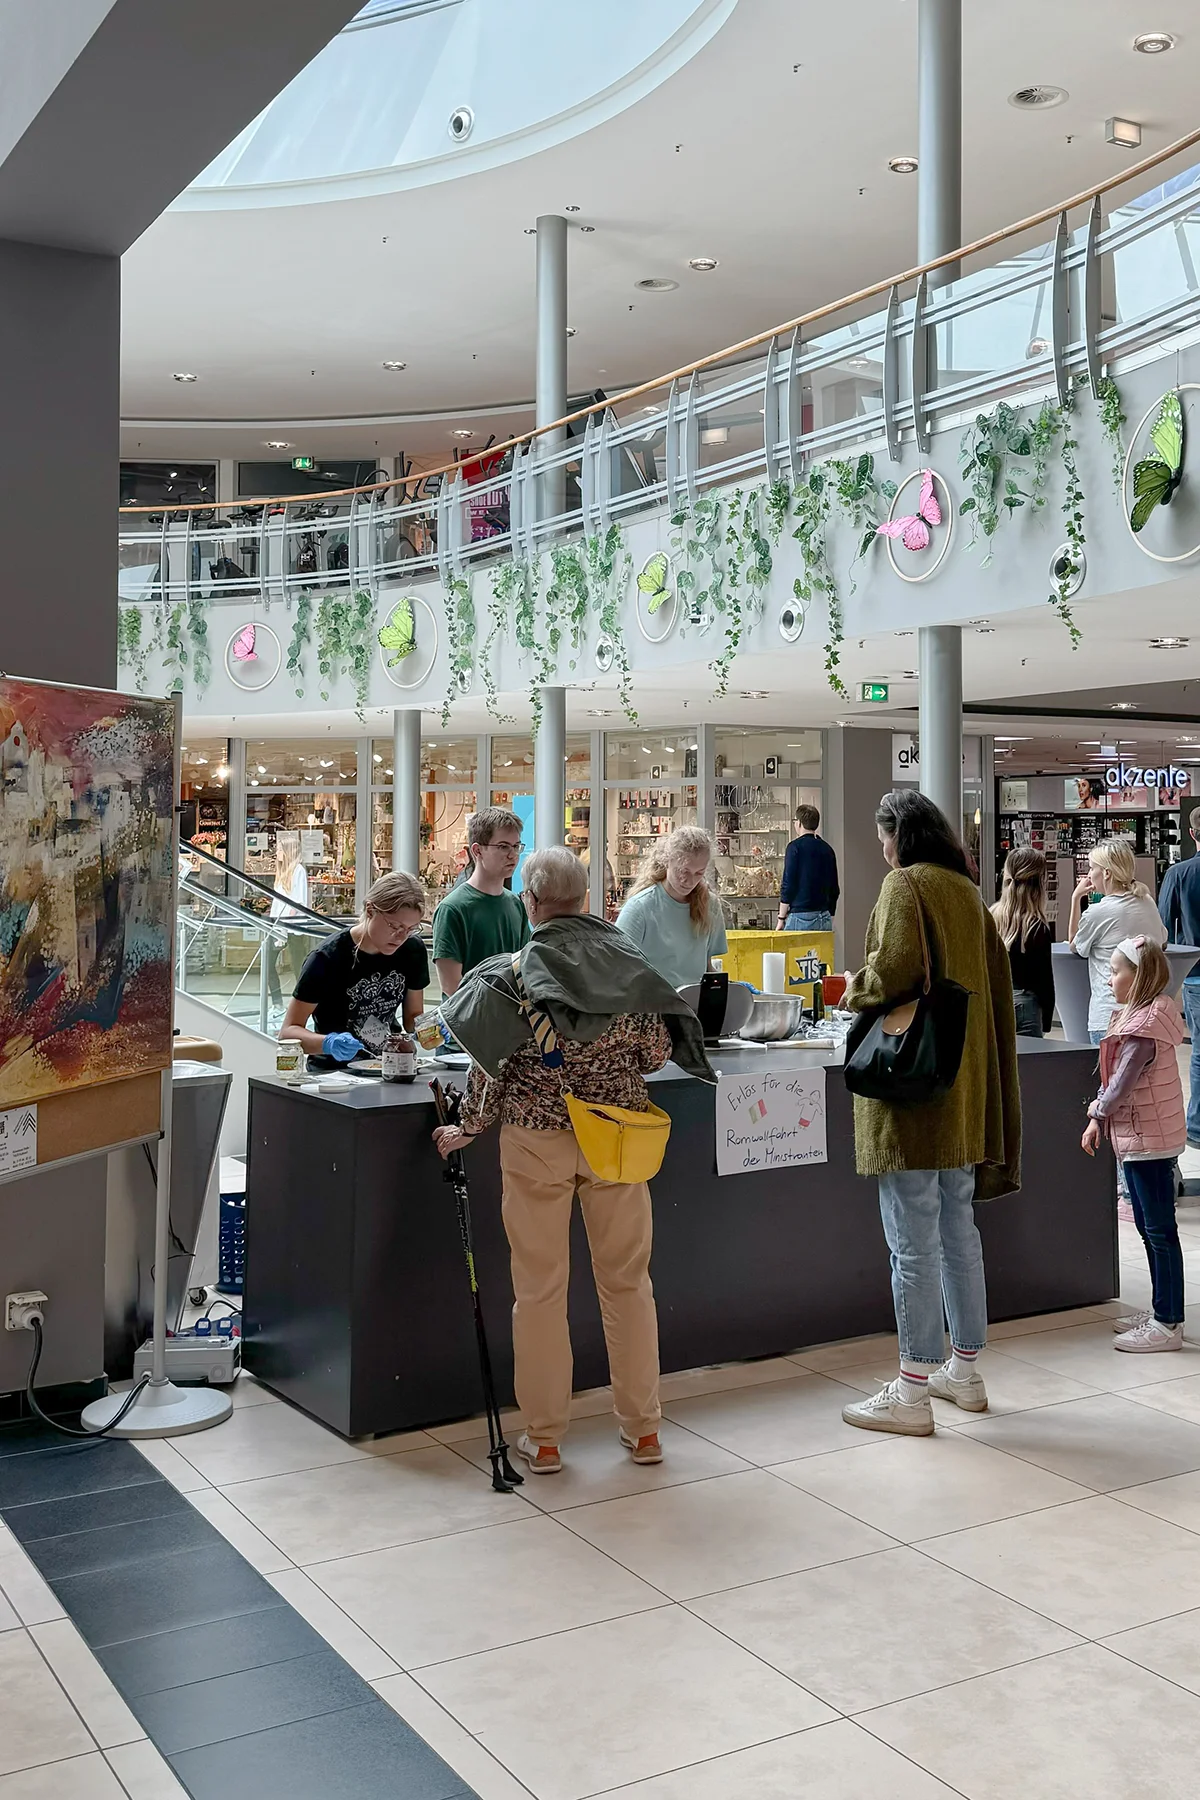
1153	43
1168	643
531	230
1038	98
655	284
1126	134
462	432
394	368
902	165
702	264
181	375
754	694
969	622
588	228
277	444
1123	706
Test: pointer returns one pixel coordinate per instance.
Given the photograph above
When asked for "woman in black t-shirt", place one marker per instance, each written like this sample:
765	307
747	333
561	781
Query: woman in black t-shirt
1020	915
353	985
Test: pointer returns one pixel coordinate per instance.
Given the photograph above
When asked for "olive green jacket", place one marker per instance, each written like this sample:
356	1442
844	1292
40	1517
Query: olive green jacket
979	1120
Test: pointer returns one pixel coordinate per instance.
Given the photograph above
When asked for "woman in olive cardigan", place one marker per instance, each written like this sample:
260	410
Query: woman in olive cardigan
935	1159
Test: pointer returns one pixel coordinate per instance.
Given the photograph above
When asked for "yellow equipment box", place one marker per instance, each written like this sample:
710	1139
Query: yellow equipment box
743	960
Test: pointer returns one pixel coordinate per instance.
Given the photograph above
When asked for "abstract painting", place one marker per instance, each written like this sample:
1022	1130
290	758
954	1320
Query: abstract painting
87	887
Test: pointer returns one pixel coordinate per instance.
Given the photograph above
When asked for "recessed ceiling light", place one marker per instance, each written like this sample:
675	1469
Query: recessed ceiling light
1168	643
702	264
1126	134
531	231
462	432
909	633
985	631
570	209
754	694
1123	706
1153	43
181	375
394	368
277	444
970	622
902	165
655	284
587	228
1037	98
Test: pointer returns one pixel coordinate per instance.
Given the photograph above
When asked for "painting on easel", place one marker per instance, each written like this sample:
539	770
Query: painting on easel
86	887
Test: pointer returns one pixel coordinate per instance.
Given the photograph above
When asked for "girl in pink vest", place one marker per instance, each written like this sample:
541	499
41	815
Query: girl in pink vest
1140	1107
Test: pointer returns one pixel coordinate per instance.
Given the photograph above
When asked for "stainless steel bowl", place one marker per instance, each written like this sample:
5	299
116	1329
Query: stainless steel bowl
774	1016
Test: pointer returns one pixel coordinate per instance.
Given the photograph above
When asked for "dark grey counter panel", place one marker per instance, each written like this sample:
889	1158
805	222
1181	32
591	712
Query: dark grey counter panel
356	1303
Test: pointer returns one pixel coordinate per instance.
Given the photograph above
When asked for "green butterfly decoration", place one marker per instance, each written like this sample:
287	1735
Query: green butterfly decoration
653	582
400	633
1157	476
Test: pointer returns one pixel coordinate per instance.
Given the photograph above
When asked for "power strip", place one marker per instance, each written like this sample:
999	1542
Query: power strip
195	1356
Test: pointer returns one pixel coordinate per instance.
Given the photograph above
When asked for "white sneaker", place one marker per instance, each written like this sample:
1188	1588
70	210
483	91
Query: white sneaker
886	1411
543	1459
1132	1320
969	1393
1149	1337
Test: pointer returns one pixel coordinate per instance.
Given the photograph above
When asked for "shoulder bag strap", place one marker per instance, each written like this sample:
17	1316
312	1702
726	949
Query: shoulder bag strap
916	900
539	1021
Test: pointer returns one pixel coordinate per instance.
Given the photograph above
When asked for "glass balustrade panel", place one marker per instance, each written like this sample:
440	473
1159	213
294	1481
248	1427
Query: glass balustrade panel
1161	266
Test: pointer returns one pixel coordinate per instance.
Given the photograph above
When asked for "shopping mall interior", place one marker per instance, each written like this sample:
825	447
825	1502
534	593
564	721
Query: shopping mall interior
888	484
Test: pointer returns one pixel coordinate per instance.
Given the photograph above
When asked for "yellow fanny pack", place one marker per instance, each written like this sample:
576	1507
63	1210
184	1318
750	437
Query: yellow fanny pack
618	1144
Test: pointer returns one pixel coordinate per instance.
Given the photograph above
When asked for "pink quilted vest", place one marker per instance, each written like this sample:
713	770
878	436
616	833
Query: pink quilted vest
1152	1120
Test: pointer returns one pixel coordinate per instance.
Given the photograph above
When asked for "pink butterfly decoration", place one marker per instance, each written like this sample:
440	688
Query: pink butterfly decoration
243	645
913	529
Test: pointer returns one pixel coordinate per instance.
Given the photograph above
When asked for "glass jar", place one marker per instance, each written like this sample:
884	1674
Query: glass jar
289	1060
399	1057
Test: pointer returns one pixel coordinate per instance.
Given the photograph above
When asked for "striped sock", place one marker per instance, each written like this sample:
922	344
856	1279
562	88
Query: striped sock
914	1380
962	1362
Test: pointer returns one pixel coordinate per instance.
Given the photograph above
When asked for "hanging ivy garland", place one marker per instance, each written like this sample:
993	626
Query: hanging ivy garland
131	653
300	639
810	506
197	630
175	654
696	536
345	636
568	591
499	606
1112	417
609	566
1068	566
460	634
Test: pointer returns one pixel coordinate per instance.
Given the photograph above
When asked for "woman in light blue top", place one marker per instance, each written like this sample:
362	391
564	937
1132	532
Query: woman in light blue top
672	915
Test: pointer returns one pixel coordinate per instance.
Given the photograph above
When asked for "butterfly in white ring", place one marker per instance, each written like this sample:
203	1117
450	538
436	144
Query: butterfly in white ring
913	529
244	645
653	582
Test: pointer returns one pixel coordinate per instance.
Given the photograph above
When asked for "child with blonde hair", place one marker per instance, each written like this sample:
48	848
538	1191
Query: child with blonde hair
1140	1110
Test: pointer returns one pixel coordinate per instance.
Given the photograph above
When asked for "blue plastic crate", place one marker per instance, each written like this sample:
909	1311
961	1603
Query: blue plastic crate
231	1245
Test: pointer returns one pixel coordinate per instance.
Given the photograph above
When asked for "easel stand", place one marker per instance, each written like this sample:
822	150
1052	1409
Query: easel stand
161	1409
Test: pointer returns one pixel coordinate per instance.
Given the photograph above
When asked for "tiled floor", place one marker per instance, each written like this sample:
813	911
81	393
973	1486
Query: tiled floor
786	1607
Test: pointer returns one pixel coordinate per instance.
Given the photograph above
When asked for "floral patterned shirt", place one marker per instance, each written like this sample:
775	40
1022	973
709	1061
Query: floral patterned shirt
607	1072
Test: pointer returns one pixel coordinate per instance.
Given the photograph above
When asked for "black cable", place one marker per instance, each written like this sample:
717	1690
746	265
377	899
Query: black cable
69	1430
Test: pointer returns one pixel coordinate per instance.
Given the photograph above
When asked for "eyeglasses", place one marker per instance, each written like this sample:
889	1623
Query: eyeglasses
508	849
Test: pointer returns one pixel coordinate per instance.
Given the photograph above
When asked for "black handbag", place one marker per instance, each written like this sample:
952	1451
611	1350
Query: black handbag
910	1053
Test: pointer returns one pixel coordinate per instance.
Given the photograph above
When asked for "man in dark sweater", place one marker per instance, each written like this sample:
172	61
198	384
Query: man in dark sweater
1179	905
808	894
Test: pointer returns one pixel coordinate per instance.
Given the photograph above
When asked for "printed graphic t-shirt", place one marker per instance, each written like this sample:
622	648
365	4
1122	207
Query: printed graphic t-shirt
356	990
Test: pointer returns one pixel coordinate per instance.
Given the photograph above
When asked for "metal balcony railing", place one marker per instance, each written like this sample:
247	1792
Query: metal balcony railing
900	360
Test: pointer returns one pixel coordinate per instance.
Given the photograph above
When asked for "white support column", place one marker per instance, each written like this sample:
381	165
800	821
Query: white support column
550	770
597	830
551	374
406	789
235	848
939	229
364	822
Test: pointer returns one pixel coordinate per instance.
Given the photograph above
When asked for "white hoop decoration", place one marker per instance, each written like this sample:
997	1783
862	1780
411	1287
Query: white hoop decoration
791	621
606	654
1077	560
257	671
897	511
1184	387
664	619
413	670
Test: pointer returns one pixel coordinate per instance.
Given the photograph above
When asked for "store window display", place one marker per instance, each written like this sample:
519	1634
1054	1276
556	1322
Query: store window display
304	789
762	779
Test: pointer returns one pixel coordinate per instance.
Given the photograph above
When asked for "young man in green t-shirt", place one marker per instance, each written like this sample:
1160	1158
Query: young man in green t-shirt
480	917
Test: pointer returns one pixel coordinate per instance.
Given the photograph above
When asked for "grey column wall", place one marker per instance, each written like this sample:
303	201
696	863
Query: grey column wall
406	789
858	770
550	770
60	346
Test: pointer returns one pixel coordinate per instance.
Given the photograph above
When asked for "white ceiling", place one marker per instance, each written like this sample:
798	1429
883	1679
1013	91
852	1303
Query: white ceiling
767	150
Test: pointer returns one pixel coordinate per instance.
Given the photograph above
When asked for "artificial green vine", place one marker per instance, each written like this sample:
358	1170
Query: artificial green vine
1112	417
345	632
777	503
983	459
460	634
569	588
811	506
1068	566
609	566
505	579
301	634
175	654
197	630
859	494
131	653
696	535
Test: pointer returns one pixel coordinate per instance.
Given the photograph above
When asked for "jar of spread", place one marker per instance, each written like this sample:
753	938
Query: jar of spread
399	1057
289	1061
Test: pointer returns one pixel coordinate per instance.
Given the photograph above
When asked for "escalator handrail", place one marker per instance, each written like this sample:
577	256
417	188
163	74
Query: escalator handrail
264	887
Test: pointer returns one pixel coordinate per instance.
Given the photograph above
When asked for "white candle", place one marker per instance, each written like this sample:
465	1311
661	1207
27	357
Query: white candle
773	970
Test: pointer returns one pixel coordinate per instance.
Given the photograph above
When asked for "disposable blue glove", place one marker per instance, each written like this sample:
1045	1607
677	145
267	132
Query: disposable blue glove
343	1046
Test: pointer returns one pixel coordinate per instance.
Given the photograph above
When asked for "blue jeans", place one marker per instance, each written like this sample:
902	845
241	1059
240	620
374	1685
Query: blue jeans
1152	1197
1191	1012
937	1260
809	921
1029	1013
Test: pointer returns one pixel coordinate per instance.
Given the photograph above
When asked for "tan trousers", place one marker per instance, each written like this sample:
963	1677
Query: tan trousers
541	1171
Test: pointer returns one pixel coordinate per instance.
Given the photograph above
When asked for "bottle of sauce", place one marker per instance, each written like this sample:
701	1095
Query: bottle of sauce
399	1057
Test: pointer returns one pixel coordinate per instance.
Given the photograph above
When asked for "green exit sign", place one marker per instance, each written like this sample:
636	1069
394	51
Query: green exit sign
304	462
876	691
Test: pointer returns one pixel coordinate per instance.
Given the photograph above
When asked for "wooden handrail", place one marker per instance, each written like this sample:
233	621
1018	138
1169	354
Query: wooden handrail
986	242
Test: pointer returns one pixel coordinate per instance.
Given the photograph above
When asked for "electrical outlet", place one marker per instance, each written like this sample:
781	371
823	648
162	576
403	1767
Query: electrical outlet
18	1307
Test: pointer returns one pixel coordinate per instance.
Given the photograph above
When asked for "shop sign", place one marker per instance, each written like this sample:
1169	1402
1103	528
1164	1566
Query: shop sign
1125	775
773	1119
874	691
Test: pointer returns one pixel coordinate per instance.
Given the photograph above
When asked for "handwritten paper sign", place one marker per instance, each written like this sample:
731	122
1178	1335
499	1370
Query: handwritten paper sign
770	1120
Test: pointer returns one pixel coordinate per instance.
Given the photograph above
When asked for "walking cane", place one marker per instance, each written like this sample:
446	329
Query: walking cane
448	1103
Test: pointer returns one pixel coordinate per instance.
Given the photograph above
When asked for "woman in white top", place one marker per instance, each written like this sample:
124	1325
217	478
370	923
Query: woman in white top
1127	910
291	883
